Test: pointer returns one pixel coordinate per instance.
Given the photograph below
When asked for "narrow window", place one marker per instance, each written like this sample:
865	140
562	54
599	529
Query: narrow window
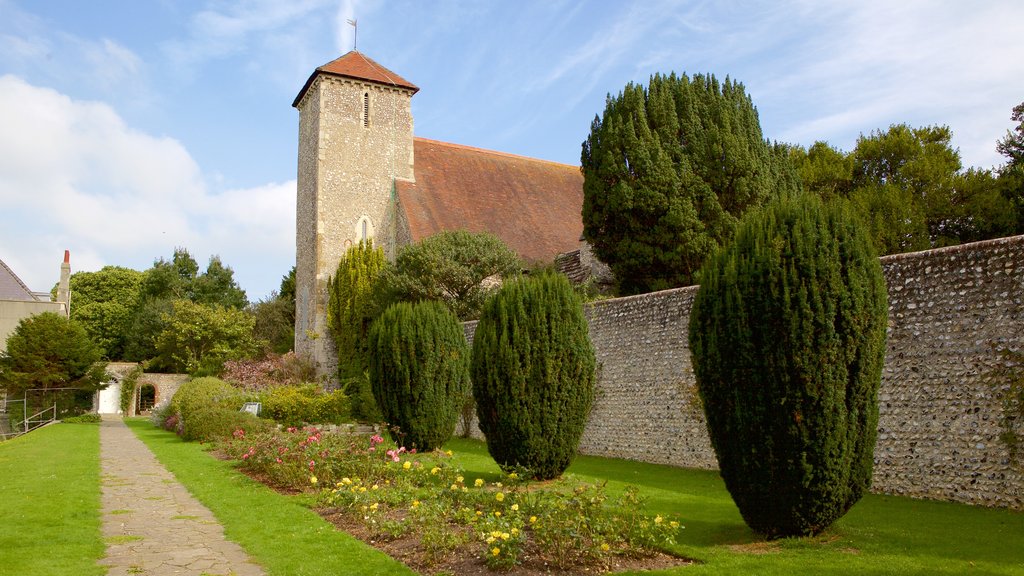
366	110
363	231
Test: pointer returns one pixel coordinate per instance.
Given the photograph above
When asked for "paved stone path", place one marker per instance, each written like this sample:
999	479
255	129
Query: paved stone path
152	525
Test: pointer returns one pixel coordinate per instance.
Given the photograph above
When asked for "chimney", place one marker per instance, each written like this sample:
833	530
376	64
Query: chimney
64	288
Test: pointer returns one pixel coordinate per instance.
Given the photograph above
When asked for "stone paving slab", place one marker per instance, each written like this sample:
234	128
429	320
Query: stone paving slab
152	525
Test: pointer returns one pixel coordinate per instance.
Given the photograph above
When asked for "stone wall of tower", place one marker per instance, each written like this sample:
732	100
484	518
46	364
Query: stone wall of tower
348	162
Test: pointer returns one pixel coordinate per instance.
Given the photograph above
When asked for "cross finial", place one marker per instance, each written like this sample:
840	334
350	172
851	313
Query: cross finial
355	34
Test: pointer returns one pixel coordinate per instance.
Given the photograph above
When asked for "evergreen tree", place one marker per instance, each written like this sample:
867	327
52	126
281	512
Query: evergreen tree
787	336
419	371
350	310
668	170
533	373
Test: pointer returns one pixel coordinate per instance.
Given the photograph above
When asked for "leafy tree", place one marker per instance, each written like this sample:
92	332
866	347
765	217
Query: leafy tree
917	166
668	169
104	303
787	336
177	279
824	171
199	338
533	373
451	267
1011	174
275	316
49	351
419	371
350	310
217	286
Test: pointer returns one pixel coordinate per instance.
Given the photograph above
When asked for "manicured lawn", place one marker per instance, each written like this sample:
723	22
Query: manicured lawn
50	502
881	535
280	532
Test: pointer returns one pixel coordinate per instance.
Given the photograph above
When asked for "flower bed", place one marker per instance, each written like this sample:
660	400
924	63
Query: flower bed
426	511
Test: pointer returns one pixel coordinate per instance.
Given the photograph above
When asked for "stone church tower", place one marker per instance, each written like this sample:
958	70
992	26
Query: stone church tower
355	141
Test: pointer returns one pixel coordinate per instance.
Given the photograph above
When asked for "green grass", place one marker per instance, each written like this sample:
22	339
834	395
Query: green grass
50	502
880	535
279	532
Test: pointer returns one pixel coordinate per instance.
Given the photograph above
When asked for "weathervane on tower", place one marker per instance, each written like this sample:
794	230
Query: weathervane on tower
355	34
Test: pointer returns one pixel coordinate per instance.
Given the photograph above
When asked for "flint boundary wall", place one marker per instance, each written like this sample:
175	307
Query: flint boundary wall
953	312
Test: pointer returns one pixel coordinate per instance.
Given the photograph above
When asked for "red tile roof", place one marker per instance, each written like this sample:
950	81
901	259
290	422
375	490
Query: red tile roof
357	65
535	206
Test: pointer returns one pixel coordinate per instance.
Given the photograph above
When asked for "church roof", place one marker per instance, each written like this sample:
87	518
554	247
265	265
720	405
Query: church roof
11	287
361	67
534	206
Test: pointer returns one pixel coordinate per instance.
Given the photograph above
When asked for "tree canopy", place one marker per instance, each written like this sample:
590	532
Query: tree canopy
50	351
668	170
104	303
451	267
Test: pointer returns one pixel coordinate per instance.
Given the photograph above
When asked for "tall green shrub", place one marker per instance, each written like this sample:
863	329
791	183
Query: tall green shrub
787	335
533	372
350	310
419	371
199	394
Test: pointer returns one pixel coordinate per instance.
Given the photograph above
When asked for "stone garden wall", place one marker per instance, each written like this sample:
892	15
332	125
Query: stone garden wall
952	314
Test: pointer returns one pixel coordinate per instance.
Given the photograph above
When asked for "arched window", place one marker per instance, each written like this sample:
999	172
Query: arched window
363	228
366	110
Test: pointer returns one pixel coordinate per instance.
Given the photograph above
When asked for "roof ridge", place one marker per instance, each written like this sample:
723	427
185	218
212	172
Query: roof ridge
494	152
18	280
383	71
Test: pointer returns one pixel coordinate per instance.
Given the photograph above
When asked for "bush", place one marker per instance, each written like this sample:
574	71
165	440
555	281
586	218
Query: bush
213	423
91	418
305	403
533	373
787	335
419	371
200	393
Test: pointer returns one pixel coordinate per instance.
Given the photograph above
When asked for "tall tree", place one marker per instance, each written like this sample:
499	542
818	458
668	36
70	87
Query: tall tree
1011	174
350	310
668	169
910	168
199	338
275	316
50	351
104	303
451	267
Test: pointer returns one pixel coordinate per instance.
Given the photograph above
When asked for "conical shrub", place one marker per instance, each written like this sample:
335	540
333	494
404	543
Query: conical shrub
533	372
787	336
419	371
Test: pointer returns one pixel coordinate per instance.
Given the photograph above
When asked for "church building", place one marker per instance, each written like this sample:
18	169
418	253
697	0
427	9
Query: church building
362	174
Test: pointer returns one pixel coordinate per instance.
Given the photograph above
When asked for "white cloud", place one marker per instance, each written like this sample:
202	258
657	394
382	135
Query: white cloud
74	176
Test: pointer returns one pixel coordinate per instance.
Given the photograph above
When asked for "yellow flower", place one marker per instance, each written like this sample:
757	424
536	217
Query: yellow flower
313	480
362	488
658	519
515	507
479	513
346	480
500	496
407	465
533	519
455	486
459	479
515	531
497	514
496	533
513	476
448	452
605	547
415	503
504	535
490	539
435	470
374	487
373	506
478	482
674	524
495	551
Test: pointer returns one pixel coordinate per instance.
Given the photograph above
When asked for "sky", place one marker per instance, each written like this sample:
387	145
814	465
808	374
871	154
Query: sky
129	128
